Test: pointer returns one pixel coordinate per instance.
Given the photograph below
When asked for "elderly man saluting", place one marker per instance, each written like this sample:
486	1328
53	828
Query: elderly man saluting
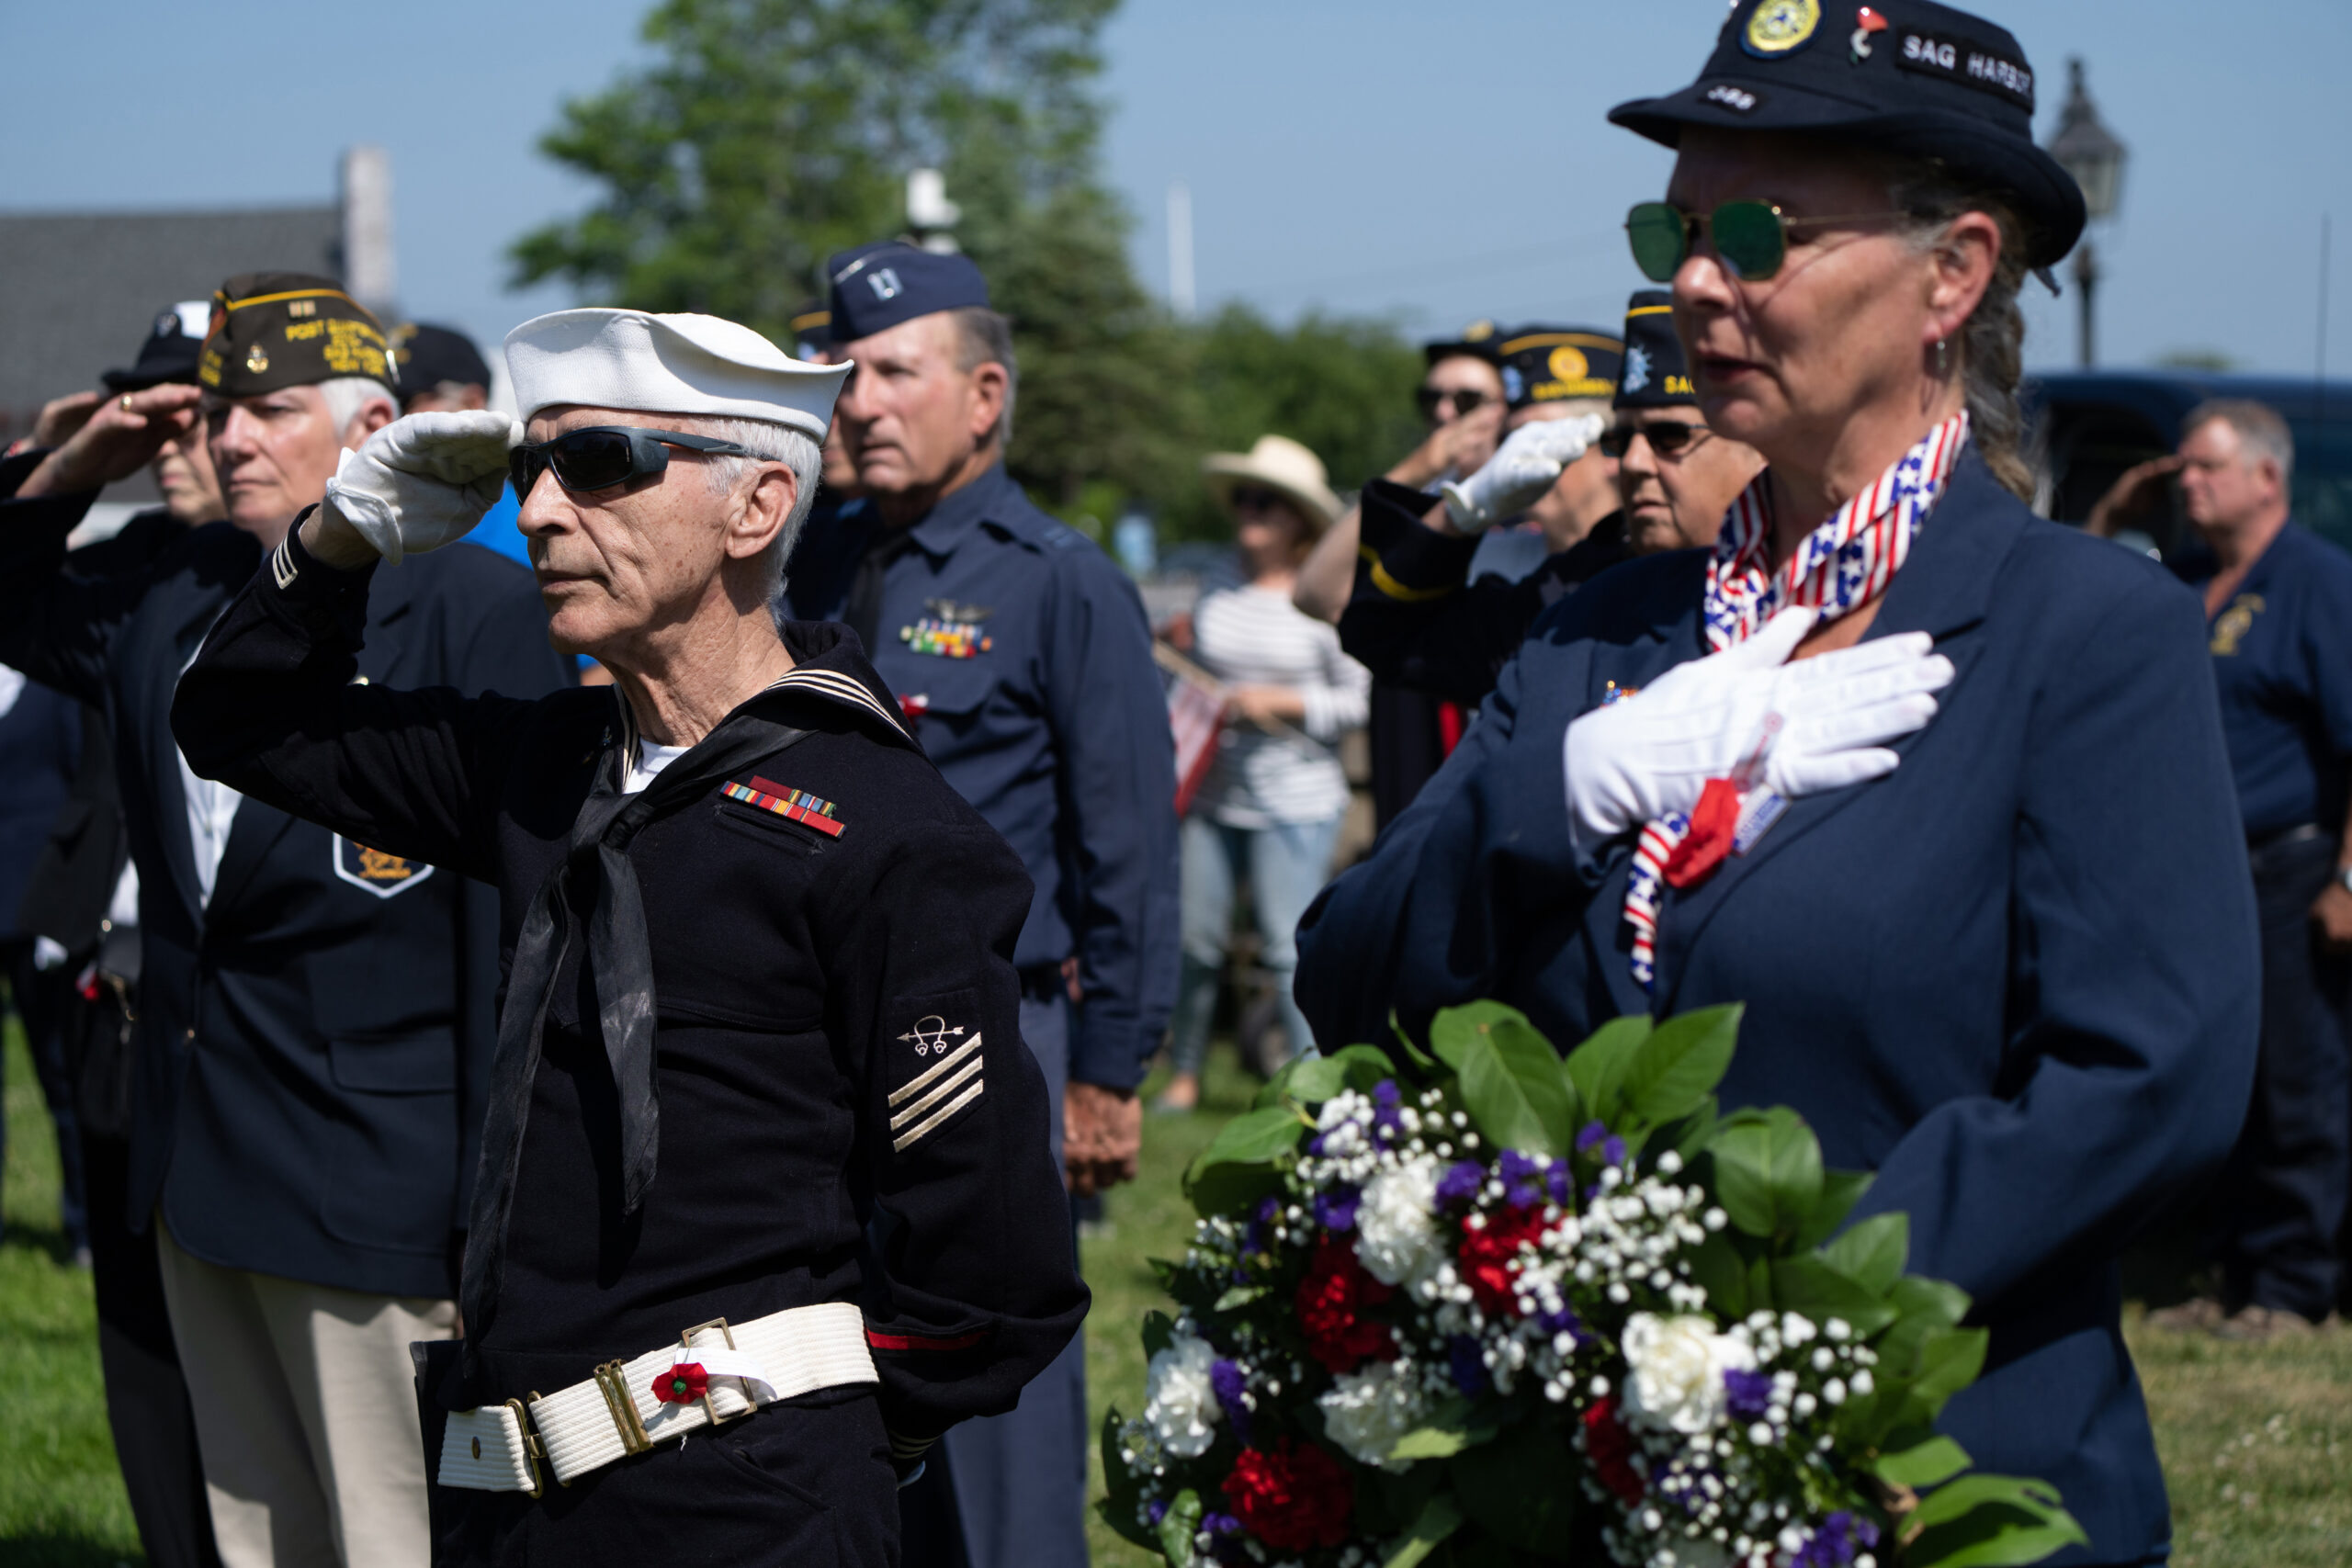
760	978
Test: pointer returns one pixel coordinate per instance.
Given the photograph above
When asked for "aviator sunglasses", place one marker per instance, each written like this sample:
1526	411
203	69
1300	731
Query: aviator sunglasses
1752	237
1667	438
1463	399
598	456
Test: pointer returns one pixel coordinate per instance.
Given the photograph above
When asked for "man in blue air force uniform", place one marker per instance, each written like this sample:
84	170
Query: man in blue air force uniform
1022	660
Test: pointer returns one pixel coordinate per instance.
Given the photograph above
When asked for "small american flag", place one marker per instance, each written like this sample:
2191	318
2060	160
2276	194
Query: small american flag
1197	706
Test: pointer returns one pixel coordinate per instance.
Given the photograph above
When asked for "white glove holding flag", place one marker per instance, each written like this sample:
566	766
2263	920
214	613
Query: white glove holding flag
423	481
1527	464
1748	714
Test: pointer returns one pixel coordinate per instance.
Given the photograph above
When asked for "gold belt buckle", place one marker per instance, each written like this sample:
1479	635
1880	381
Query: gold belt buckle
611	1381
686	1339
531	1450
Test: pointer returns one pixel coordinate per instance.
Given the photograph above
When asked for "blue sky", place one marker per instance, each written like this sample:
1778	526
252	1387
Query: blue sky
1429	162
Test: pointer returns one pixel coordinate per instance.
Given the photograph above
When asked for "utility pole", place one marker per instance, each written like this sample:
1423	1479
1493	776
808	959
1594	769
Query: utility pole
368	271
1180	249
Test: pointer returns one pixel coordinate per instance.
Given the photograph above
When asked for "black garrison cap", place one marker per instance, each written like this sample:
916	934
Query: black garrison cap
169	350
272	330
1906	76
1546	365
1655	376
428	356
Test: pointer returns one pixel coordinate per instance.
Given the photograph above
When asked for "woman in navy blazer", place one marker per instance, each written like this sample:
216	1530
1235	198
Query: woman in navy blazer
2015	974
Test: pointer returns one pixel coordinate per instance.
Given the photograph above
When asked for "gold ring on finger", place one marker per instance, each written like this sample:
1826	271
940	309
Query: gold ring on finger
126	402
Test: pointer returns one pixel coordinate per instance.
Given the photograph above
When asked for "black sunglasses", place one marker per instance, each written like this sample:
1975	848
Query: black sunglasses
1667	438
1257	497
598	456
1463	399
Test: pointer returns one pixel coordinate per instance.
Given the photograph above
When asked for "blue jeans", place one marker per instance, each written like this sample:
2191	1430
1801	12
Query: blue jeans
1288	865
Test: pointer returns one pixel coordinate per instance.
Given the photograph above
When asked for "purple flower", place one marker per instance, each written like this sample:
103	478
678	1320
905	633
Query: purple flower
1387	1122
1522	1179
1460	1183
1563	1321
1230	1384
1156	1510
1613	1151
1336	1210
1834	1541
1315	1144
1596	1135
1469	1366
1593	1133
1253	1239
1220	1524
1748	1394
1384	1095
1555	1179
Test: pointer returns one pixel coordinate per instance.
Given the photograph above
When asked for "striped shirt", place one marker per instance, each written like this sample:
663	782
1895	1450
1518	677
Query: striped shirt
1254	637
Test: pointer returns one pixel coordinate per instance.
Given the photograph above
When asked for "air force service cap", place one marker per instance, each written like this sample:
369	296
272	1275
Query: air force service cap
667	364
1655	376
274	329
1908	76
879	285
170	351
1547	364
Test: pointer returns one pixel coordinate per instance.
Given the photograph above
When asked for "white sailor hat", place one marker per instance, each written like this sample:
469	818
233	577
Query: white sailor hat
667	364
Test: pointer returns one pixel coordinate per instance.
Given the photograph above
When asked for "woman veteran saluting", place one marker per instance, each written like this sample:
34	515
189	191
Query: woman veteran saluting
2015	974
759	977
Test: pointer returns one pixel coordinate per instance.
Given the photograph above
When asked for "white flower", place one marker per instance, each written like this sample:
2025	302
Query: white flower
1180	1399
1366	1412
1683	1552
1675	1369
1396	1236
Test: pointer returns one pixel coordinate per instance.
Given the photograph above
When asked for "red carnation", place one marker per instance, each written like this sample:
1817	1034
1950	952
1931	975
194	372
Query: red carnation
681	1384
1611	1446
1330	1301
1490	1256
1292	1498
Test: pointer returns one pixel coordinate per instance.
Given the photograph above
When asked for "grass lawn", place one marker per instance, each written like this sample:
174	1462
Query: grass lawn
2257	1443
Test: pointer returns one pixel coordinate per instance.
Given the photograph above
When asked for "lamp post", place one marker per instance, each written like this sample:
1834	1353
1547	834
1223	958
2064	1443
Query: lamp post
2085	149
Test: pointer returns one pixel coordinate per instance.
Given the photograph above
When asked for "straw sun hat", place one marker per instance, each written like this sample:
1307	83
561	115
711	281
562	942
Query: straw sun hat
1282	466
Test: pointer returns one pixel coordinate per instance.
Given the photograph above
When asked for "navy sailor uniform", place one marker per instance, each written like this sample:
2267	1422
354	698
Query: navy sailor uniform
822	918
2017	978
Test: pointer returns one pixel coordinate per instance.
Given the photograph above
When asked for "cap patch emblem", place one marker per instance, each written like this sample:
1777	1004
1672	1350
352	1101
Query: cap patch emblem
794	805
1957	60
1781	27
377	872
885	283
1637	370
1739	100
257	359
1568	365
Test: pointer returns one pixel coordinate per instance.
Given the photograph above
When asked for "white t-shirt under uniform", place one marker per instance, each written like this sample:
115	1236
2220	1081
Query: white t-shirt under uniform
1254	637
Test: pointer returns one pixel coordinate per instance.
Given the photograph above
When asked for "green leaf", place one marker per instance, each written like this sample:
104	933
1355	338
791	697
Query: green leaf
1807	1284
1413	1053
1873	1252
1311	1080
1239	1296
1915	1295
1449	1433
1768	1172
1118	1509
1949	1360
1989	1521
1159	1333
1715	1264
1511	1082
1232	1189
1673	1070
1930	1463
1440	1516
1598	1065
1840	1191
1254	1137
1177	1527
1512	1489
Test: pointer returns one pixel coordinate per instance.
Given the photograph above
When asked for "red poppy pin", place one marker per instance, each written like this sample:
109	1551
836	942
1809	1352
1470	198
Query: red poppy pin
1869	22
681	1384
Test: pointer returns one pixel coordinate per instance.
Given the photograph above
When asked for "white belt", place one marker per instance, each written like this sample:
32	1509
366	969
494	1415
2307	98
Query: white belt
616	1413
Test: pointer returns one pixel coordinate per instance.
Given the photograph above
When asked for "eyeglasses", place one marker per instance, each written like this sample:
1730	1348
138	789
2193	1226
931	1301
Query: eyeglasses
1752	237
598	456
1669	438
1463	399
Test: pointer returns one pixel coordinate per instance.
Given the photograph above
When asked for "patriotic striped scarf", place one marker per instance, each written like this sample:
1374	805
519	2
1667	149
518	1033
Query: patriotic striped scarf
1841	566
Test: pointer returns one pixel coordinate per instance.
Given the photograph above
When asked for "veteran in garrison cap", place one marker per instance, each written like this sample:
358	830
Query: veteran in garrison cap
1418	617
766	1204
314	1028
1022	660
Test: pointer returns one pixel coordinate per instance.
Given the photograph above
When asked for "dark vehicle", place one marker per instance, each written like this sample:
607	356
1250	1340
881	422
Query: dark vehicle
2091	426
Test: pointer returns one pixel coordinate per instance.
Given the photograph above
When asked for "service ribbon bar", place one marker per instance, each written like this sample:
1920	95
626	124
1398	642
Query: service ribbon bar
796	804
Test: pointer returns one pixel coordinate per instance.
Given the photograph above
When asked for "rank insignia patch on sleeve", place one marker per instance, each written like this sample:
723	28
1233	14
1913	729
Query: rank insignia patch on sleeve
947	1080
376	871
795	805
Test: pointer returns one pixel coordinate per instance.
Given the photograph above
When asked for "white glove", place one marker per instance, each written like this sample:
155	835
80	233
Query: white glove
1747	714
423	481
1527	464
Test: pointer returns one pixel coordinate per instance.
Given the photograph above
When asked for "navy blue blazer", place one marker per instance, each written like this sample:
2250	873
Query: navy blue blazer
313	1045
2017	978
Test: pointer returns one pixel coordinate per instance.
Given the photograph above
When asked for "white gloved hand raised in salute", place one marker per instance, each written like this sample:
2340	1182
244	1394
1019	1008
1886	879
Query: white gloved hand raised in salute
1748	714
423	481
1527	464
